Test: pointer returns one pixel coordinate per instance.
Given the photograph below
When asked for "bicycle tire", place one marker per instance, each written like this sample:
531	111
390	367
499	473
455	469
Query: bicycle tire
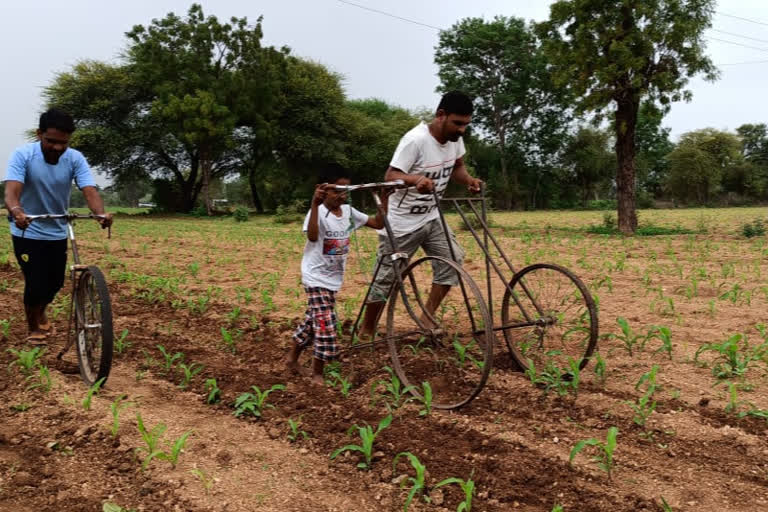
93	326
583	320
456	355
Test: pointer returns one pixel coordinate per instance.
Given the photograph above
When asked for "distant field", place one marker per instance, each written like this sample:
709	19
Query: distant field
227	295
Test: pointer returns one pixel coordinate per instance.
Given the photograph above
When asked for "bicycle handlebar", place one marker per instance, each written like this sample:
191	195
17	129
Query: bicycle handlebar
68	216
366	186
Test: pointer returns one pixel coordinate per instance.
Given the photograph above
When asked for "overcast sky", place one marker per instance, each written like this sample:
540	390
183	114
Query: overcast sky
379	56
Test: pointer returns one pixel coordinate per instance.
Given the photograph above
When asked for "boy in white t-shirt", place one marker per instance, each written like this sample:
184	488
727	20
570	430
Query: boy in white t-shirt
328	225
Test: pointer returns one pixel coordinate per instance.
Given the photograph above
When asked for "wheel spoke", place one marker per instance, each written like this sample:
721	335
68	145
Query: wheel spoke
447	352
570	331
93	326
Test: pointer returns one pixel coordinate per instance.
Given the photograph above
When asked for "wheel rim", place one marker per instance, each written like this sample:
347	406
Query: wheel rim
89	328
443	350
562	315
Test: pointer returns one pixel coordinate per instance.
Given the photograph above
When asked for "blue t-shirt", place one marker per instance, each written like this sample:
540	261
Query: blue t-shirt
46	187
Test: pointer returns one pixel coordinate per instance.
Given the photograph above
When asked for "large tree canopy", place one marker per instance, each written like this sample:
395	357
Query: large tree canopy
588	162
172	107
699	163
615	53
499	63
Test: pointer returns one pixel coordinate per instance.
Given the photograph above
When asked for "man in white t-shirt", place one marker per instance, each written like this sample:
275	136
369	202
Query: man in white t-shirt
327	226
427	158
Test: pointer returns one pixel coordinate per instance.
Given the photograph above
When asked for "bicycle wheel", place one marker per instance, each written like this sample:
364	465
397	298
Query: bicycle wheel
553	319
93	326
451	350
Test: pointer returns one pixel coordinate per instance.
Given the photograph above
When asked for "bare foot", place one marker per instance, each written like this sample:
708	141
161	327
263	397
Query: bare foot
44	325
37	338
427	323
317	380
294	368
364	336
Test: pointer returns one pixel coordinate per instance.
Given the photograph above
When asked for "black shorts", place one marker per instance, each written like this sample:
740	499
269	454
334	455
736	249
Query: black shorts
43	263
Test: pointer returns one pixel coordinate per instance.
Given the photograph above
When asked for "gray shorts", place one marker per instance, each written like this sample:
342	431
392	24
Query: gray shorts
429	237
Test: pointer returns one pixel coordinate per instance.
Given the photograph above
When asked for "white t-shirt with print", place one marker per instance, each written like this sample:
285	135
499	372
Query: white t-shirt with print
322	265
419	153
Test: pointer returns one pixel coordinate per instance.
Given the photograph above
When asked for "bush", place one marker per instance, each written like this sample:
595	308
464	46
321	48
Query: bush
609	220
755	228
241	214
291	213
199	211
645	200
602	204
475	222
647	230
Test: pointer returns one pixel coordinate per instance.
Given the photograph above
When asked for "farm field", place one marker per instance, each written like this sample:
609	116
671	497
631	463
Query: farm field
227	296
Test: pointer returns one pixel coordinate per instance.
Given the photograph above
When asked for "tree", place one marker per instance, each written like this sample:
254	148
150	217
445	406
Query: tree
699	163
373	129
198	72
589	162
653	146
172	108
130	192
305	132
619	52
754	139
500	64
754	149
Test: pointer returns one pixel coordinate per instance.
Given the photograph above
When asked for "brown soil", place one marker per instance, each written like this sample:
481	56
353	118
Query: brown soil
513	440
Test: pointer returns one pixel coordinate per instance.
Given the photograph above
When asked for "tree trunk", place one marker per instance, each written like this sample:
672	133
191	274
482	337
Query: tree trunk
626	122
254	192
188	185
534	196
509	188
205	168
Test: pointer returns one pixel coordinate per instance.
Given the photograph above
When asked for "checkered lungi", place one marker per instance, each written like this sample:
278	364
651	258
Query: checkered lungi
319	326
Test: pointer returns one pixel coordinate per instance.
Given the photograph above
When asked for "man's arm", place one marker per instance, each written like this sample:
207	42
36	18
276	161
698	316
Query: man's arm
423	184
13	205
96	205
462	177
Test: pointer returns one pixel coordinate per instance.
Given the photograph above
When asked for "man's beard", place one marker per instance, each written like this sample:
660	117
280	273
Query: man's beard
51	157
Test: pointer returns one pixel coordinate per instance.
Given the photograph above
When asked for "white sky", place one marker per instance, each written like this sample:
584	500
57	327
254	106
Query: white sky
379	56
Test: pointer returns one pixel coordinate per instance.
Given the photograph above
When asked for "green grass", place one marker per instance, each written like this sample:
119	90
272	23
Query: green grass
124	210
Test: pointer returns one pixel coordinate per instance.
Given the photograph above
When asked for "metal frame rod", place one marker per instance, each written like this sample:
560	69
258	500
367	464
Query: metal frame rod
453	257
509	264
488	257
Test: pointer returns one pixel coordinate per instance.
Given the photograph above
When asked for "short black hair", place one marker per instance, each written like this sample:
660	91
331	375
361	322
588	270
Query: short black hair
333	172
57	119
456	102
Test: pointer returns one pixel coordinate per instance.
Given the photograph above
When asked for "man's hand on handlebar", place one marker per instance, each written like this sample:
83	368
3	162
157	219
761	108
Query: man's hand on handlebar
21	220
475	185
424	185
105	221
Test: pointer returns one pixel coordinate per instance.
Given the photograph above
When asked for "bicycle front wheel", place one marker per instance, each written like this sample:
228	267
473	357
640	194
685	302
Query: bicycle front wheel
550	317
93	326
450	350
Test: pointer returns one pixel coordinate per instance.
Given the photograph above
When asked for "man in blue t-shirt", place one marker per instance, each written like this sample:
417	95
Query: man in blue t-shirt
39	180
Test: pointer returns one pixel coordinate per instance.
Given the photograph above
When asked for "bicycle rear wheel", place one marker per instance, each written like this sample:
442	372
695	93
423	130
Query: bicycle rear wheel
451	350
555	315
93	326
